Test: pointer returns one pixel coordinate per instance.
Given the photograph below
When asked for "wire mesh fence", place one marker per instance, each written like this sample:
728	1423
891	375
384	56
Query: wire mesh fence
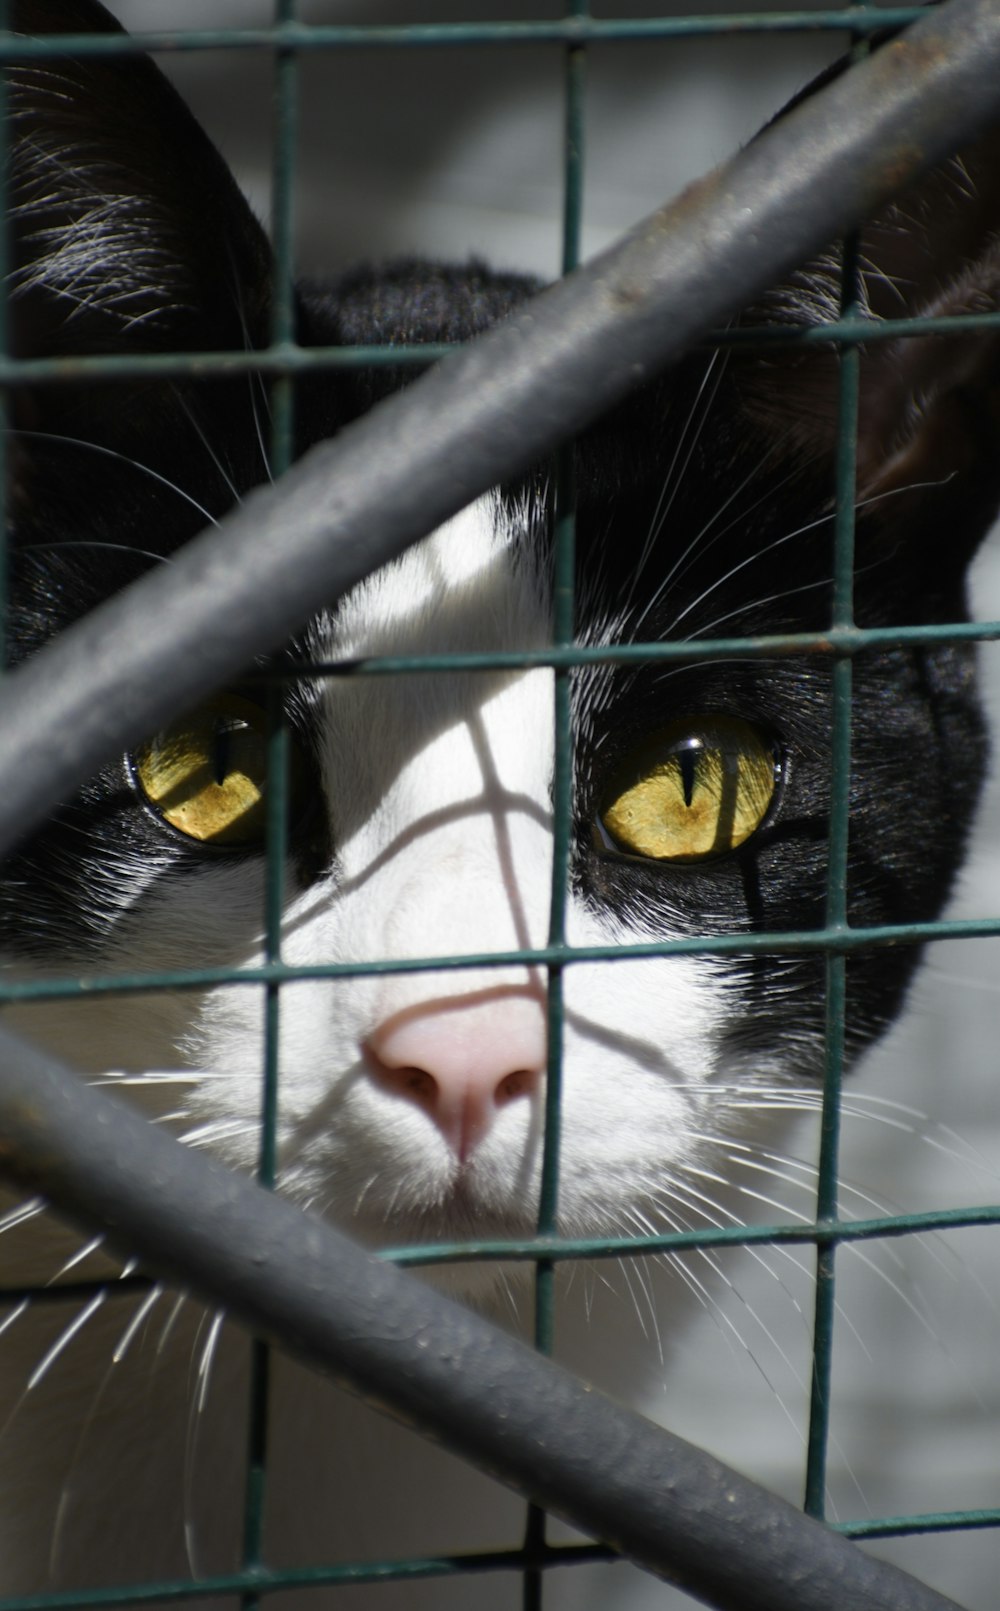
56	742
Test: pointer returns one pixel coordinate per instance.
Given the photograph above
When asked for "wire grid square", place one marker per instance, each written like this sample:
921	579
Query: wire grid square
573	35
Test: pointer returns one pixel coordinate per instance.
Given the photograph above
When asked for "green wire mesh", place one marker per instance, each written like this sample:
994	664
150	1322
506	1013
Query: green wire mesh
572	36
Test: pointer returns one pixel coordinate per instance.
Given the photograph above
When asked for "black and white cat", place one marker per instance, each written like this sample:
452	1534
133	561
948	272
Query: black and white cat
410	1105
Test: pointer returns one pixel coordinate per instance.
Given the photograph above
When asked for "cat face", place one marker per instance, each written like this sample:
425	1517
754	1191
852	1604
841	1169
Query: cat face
421	827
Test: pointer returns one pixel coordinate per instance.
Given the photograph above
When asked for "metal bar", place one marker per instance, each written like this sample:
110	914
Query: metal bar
613	1247
504	401
281	415
347	36
283	359
564	631
827	1186
425	1359
778	943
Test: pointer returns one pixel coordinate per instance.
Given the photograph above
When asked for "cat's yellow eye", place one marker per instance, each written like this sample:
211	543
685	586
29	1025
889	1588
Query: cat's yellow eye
695	789
206	774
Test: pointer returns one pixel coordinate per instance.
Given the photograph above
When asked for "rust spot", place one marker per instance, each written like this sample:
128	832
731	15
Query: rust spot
913	56
627	294
899	167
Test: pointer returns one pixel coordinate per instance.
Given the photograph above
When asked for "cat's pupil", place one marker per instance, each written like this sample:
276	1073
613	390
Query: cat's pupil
687	760
221	751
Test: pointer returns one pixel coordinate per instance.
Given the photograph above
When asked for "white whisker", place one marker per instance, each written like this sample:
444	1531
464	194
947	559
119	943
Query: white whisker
124	458
148	1303
77	1258
65	1338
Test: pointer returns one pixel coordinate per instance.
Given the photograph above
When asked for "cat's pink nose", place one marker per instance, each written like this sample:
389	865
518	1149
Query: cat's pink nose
462	1059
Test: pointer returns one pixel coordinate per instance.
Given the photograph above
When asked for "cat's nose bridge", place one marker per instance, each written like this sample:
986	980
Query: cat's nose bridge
476	886
462	1058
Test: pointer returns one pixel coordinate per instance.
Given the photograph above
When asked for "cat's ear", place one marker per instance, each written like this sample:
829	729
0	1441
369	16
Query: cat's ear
928	461
128	229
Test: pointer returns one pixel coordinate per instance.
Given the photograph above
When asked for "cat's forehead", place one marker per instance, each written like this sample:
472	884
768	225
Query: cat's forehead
480	582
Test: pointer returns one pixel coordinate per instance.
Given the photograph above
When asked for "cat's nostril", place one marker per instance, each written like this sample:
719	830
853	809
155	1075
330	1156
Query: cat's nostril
461	1061
520	1083
415	1083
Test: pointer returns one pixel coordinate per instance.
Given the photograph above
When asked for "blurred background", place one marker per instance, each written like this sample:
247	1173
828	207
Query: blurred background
454	152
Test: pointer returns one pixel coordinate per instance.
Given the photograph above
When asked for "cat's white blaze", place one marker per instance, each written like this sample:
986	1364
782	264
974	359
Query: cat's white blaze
410	1100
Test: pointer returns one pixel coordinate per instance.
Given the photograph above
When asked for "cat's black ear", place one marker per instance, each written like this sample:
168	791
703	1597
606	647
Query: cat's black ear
928	462
128	235
129	232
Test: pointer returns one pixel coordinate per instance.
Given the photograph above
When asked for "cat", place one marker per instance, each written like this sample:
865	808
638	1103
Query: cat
411	1105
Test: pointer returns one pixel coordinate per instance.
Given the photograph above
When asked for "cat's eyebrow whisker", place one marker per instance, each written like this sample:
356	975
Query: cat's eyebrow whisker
666	671
751	559
712	627
668	481
258	390
206	444
86	545
674	474
124	458
258	396
908	486
697	547
747	509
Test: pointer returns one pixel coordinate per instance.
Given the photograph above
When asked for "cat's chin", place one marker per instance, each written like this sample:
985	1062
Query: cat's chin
488	1283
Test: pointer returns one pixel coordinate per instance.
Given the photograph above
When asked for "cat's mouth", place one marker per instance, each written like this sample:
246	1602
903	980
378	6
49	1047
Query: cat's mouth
459	1215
